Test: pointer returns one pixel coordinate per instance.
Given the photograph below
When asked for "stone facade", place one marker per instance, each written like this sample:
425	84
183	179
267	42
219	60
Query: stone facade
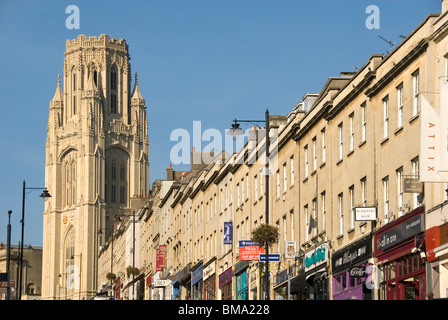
351	145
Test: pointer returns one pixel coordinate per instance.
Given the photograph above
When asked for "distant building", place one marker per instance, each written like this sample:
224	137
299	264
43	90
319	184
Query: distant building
32	271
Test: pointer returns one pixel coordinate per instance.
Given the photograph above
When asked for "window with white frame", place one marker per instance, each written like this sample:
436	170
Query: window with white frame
278	183
314	154
415	92
386	199
351	191
364	191
386	117
314	217
285	178
399	173
305	211
400	105
238	194
306	160
247	186
324	212
242	191
341	141
261	182
256	187
291	221
323	142
341	213
291	161
363	122
352	131
285	229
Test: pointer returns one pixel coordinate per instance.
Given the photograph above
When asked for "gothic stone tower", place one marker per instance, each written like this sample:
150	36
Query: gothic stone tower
96	162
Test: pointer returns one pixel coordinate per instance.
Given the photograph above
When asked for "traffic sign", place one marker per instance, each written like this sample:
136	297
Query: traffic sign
275	257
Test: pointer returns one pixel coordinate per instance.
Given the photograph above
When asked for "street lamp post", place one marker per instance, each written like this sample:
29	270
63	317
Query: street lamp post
236	131
8	258
45	194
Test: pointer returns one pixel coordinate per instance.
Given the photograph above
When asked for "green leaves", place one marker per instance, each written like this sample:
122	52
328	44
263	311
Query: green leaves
265	234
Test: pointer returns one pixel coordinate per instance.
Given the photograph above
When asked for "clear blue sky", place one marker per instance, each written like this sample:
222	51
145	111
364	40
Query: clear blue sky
197	60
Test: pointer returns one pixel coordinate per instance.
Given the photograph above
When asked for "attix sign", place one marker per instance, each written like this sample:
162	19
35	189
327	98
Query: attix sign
403	231
316	257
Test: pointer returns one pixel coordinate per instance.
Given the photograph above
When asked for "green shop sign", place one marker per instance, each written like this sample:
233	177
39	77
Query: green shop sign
316	257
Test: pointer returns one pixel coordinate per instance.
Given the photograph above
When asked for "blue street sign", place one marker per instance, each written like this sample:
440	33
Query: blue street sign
275	257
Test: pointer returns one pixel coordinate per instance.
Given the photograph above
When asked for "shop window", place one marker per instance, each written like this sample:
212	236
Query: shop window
344	281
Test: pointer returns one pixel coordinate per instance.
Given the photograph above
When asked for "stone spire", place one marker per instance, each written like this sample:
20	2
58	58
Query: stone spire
136	93
58	93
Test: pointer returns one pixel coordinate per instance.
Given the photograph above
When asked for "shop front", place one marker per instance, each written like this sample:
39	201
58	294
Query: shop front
283	285
209	279
399	251
351	271
196	282
437	256
311	283
241	280
225	284
184	278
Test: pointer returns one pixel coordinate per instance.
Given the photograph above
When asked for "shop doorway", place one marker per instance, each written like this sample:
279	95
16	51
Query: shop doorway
404	278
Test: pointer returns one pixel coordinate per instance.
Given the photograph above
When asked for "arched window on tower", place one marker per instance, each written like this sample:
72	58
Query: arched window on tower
74	109
116	180
123	179
69	177
69	261
114	90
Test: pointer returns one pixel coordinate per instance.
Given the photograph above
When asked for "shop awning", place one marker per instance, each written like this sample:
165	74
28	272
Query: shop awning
130	283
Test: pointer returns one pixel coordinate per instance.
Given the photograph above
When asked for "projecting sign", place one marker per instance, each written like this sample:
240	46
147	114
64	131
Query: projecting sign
412	185
290	249
228	232
365	214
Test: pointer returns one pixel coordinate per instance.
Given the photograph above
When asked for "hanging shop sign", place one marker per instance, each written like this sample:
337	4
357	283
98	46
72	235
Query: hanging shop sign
161	258
290	249
228	232
316	257
365	213
412	185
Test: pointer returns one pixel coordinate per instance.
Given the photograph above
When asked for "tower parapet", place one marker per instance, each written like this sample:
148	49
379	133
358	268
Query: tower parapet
92	42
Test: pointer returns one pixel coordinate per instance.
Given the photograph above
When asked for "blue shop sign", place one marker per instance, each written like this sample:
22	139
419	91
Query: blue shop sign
196	275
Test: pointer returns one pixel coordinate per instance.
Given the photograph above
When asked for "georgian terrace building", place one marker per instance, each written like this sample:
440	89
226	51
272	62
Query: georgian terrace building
353	145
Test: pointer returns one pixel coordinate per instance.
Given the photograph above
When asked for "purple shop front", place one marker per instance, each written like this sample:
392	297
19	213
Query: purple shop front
351	270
